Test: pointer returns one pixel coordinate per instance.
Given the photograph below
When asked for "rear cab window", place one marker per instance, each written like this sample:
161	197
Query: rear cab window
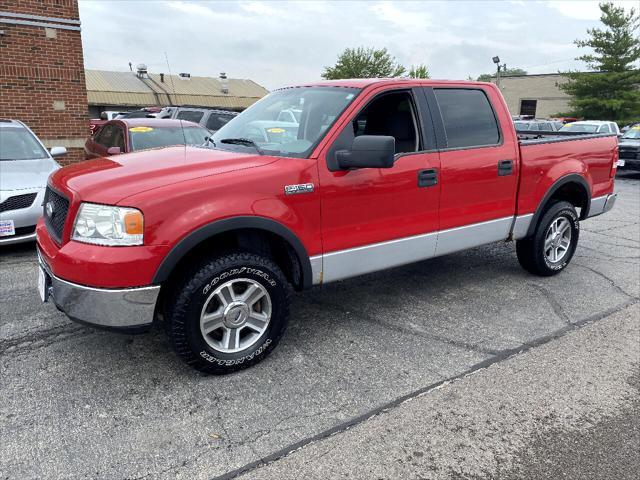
468	117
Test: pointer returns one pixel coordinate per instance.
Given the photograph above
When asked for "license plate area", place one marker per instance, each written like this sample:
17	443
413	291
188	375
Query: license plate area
7	228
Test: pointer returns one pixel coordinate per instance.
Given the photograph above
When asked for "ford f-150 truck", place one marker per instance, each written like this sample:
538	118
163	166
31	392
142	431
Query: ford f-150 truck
213	240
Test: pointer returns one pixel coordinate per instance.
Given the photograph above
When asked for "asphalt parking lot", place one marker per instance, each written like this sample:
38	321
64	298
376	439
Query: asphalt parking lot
81	403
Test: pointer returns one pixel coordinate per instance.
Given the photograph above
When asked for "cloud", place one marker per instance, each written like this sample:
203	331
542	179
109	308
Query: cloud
278	43
586	9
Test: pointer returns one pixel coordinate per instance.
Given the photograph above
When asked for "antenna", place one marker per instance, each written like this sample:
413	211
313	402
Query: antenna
173	88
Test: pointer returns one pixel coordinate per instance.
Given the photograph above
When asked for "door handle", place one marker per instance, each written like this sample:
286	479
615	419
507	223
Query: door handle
505	167
427	178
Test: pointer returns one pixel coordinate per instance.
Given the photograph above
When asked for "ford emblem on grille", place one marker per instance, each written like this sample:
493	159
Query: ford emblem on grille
49	209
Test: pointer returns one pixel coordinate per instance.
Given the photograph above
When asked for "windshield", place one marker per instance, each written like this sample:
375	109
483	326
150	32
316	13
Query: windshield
288	122
580	127
633	133
154	137
17	143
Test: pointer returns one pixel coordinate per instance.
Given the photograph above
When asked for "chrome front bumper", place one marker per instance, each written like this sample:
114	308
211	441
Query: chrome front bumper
126	309
600	205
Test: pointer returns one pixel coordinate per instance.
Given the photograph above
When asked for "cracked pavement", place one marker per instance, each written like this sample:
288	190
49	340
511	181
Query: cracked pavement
82	403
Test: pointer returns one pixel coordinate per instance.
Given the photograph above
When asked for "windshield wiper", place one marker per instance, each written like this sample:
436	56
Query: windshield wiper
243	141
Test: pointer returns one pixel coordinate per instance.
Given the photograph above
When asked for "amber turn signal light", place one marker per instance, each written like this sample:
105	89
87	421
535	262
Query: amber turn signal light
133	223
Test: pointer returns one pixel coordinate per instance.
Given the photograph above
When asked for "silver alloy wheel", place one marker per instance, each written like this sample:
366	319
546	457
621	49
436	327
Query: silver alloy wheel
557	240
235	315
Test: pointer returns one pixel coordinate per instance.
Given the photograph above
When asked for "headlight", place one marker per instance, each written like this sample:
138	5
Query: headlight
107	225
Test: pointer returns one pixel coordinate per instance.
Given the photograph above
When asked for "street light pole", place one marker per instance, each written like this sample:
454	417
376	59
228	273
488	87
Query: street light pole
499	67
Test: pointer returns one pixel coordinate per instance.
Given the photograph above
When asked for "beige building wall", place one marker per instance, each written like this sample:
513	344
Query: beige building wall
542	88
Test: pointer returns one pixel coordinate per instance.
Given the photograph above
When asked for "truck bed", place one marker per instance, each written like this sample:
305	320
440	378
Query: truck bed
548	157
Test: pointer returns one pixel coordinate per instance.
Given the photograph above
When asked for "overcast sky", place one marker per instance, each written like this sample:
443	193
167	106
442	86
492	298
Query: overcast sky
281	43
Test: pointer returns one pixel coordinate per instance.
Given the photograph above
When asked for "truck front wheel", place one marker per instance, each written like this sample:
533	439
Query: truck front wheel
229	313
554	242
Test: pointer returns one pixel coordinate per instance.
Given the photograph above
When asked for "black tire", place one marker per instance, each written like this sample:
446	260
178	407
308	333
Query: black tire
530	251
185	308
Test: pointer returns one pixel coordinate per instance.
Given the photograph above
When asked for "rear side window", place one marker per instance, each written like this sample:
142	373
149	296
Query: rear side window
468	118
190	115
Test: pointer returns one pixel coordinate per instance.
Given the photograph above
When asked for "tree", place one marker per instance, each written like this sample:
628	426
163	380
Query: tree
364	62
514	72
419	71
613	93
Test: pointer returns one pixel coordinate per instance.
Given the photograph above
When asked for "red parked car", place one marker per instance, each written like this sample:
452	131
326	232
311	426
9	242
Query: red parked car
376	174
131	135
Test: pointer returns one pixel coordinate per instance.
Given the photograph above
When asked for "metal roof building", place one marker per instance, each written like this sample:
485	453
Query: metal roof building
108	90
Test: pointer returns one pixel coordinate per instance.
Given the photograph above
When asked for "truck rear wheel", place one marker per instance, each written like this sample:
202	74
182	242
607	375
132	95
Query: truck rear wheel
229	313
553	243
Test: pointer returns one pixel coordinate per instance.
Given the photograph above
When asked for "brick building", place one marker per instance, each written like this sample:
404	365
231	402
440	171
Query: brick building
42	79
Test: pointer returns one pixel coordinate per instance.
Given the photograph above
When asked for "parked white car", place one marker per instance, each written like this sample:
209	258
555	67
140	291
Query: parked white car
591	126
25	166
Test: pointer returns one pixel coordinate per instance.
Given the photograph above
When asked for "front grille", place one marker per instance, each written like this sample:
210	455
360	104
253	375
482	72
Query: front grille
628	153
56	215
18	201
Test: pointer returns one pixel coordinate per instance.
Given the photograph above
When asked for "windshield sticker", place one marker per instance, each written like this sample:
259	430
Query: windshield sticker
141	129
276	130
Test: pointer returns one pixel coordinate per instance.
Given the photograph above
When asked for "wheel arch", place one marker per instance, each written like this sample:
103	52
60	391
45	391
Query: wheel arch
267	226
572	188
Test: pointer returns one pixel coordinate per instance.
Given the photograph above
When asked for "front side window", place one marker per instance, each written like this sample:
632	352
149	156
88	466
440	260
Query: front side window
392	115
143	138
106	136
17	143
318	108
604	129
468	118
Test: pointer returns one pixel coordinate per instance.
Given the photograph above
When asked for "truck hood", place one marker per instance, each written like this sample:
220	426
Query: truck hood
25	174
109	180
629	142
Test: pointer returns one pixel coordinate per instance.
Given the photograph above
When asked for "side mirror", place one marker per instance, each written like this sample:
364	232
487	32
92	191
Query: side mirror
368	151
114	151
58	151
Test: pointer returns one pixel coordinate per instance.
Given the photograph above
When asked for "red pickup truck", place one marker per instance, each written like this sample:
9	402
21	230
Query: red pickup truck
376	174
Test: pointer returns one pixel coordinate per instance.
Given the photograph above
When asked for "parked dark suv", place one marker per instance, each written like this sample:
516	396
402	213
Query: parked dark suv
210	118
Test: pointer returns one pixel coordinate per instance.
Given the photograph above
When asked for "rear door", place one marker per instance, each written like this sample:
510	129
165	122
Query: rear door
375	218
479	165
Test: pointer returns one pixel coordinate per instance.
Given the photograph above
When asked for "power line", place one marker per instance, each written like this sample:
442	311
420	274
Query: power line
549	63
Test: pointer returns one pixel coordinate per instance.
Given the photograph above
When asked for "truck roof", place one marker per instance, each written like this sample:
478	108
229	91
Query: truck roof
366	82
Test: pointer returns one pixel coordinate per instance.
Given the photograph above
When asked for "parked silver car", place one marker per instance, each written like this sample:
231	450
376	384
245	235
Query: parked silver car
25	165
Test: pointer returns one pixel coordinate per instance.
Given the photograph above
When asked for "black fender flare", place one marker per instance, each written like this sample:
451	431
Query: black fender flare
571	178
185	245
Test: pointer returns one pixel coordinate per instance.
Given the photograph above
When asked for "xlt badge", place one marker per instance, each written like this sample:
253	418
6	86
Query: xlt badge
300	188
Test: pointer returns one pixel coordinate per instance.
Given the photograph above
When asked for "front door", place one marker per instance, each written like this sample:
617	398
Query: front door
378	218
